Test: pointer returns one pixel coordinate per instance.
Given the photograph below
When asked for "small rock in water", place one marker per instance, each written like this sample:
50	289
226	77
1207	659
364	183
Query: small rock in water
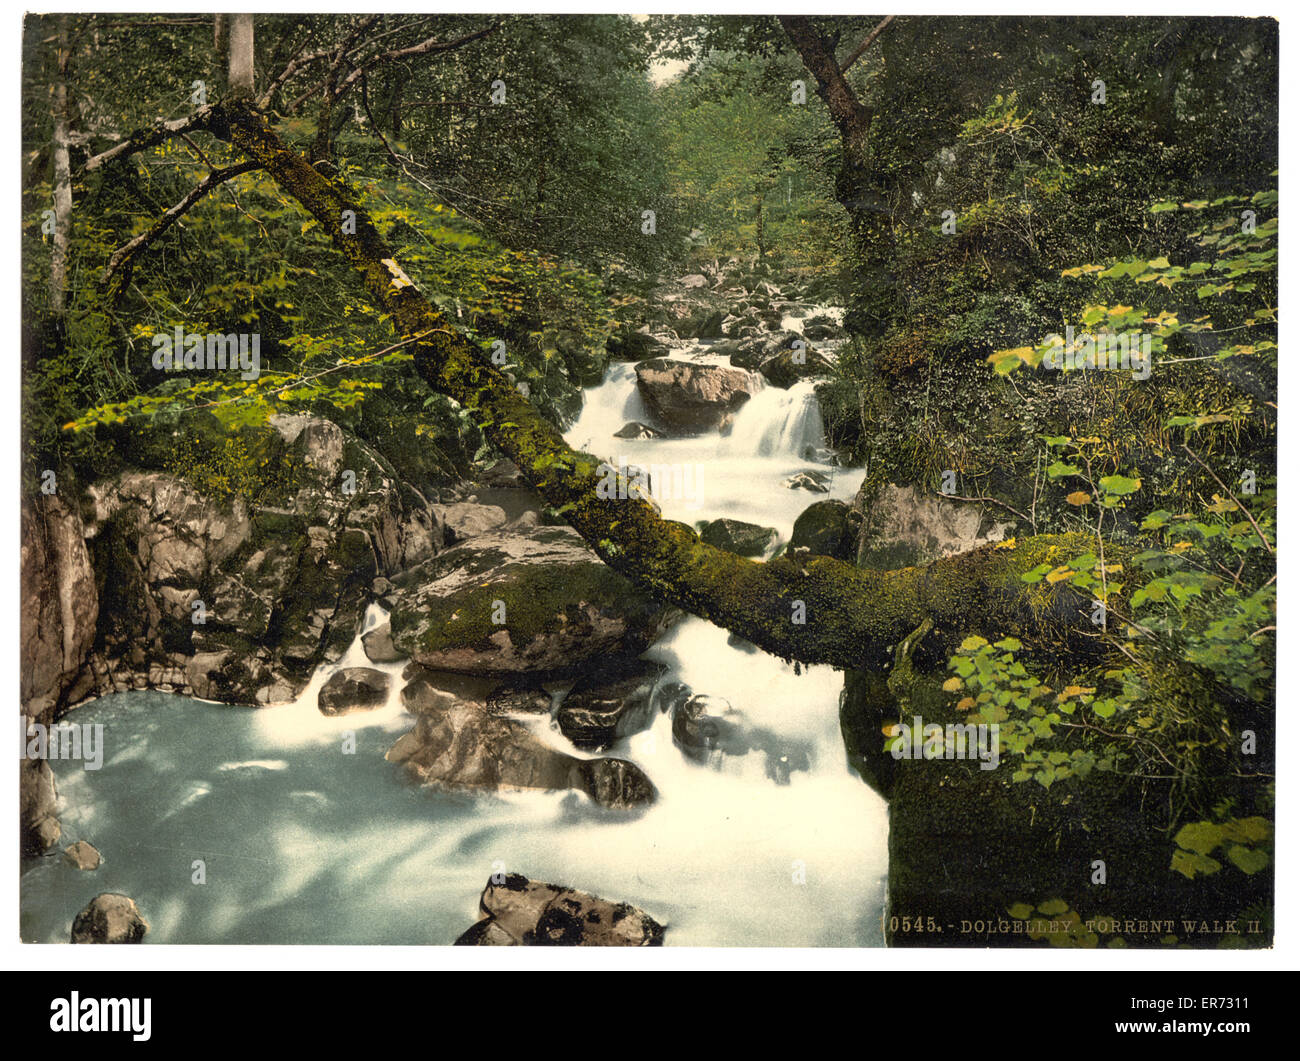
636	429
353	689
521	912
82	855
109	918
597	711
814	481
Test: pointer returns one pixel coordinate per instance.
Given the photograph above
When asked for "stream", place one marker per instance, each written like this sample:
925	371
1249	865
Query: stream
304	843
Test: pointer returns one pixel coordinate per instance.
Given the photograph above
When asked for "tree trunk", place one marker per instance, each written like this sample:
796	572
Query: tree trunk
240	76
62	236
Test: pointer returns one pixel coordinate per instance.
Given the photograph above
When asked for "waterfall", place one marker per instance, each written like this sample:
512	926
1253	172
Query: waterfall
778	423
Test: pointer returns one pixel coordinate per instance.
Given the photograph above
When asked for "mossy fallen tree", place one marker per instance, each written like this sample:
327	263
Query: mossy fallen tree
812	609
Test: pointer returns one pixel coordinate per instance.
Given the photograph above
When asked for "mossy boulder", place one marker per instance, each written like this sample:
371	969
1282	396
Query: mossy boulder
739	537
536	600
826	528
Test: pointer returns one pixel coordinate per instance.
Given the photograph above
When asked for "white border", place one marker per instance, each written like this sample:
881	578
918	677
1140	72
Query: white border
15	955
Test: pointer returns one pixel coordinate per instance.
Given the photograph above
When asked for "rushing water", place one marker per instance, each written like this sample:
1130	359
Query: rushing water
302	843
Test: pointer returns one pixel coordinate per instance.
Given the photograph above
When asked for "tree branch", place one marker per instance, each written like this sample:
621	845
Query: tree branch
870	39
125	254
145	138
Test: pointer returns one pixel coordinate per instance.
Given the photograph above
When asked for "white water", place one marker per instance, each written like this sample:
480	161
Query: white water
305	844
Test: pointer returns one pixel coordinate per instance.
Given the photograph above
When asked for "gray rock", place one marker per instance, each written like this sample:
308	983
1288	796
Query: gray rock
692	399
736	536
811	481
39	828
902	526
465	520
457	744
109	918
353	689
378	645
81	855
519	700
635	429
520	912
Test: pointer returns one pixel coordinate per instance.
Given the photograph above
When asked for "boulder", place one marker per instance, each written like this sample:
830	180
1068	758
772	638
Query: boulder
353	689
458	744
519	700
58	607
708	730
786	367
637	346
826	528
109	918
378	645
238	601
532	600
467	519
903	527
599	710
692	399
736	536
81	855
520	912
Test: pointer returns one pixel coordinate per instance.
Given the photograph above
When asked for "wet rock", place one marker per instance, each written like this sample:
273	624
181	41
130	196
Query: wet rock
708	729
466	519
250	596
538	602
109	918
81	855
598	711
705	724
736	536
811	481
635	429
353	689
520	912
457	744
378	645
519	700
692	399
503	474
826	528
